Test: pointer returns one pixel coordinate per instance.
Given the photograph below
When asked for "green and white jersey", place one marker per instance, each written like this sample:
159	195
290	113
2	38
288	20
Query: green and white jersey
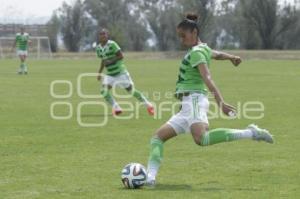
108	51
22	41
189	78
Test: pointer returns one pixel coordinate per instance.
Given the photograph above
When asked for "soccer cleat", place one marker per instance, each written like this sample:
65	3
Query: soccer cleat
116	111
25	73
261	134
150	110
20	72
150	183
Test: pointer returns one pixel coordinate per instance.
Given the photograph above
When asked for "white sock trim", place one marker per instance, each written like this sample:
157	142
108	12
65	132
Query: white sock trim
243	133
152	171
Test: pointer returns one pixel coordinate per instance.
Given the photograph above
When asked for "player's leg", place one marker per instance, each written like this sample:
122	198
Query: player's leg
140	97
205	137
23	60
105	92
108	83
163	134
176	125
198	124
137	94
24	64
21	69
124	81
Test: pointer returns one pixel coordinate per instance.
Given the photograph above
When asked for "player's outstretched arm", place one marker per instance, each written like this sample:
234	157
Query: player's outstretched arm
218	55
205	74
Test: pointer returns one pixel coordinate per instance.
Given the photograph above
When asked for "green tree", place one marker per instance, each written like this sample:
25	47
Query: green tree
267	20
53	27
260	16
123	19
73	20
225	25
287	37
163	17
137	33
205	9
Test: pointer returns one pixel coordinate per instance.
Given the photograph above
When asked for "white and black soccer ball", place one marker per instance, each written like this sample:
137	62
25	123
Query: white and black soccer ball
134	175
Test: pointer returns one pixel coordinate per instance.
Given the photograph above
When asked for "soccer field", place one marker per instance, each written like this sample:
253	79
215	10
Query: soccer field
48	158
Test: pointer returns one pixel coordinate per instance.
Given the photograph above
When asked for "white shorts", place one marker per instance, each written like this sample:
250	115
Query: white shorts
194	109
123	80
22	52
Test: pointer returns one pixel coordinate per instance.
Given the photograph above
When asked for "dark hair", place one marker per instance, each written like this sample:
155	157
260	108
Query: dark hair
189	23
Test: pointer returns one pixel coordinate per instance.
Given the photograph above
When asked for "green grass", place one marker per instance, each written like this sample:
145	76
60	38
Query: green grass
45	158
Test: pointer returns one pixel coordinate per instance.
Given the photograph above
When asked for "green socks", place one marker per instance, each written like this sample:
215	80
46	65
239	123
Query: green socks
219	135
140	97
23	68
108	97
209	138
155	158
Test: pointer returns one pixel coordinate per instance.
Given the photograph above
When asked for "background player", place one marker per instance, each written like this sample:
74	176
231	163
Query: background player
21	43
116	73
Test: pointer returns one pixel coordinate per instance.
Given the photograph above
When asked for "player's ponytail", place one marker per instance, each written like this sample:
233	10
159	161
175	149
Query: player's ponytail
189	23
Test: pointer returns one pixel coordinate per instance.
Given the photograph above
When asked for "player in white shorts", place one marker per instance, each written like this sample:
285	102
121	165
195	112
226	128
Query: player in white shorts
122	80
116	73
194	109
21	43
194	81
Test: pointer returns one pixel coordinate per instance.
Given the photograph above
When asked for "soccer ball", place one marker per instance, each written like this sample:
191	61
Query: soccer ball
134	175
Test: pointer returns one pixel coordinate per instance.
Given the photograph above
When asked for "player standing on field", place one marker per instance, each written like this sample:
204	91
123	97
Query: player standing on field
21	43
116	73
191	88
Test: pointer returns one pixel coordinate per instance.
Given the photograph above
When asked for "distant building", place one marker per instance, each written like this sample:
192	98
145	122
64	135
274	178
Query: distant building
9	30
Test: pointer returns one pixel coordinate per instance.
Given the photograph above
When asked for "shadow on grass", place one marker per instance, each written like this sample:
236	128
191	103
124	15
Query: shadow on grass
176	187
203	187
169	187
163	187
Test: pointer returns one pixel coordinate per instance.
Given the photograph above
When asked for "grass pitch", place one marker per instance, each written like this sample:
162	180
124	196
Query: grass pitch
41	157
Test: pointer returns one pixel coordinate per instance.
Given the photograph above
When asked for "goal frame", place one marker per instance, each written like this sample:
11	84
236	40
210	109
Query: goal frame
38	38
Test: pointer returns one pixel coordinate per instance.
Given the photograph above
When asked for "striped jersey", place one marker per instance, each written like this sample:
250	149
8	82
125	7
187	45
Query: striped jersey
108	51
22	41
189	78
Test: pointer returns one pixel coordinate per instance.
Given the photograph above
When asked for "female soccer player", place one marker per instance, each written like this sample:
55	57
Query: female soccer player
191	88
116	73
21	43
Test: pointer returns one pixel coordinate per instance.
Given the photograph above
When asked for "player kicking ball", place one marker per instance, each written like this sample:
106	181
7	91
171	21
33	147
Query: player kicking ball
191	89
116	73
21	43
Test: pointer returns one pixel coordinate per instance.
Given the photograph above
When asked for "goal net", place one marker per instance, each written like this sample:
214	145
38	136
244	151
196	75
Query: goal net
39	47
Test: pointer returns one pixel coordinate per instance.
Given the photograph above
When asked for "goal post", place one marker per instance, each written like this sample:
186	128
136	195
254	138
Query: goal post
38	49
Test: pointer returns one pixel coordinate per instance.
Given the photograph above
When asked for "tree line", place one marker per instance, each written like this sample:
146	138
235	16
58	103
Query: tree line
139	25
